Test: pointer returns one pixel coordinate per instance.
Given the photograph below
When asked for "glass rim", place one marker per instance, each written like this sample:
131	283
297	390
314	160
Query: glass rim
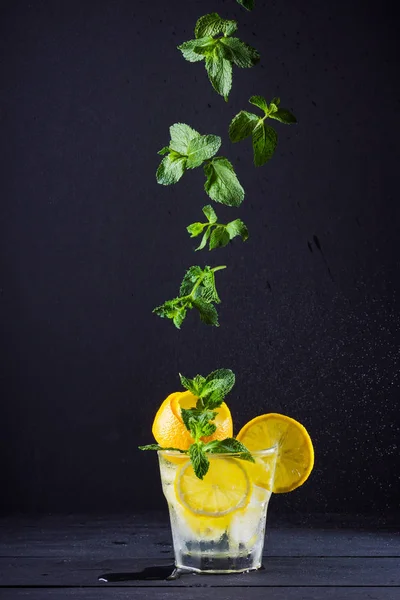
256	453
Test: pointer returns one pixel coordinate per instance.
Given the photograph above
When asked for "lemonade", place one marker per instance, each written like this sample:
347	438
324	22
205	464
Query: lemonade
218	487
218	523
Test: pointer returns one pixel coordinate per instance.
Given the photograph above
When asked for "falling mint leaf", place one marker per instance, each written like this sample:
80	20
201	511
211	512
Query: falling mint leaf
241	54
259	101
194	50
208	312
181	136
164	150
171	169
242	126
265	140
204	239
196	229
219	71
191	277
212	25
237	227
222	185
210	213
202	148
284	116
219	237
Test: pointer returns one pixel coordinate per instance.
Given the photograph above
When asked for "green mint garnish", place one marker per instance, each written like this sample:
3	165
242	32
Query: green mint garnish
197	291
219	53
264	137
210	392
158	447
187	150
216	234
222	185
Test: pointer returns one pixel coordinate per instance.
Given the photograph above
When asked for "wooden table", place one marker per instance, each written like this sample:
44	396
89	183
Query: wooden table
306	557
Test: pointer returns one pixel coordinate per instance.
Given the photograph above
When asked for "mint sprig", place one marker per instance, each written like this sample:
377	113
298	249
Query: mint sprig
264	137
219	53
216	234
210	392
189	149
198	290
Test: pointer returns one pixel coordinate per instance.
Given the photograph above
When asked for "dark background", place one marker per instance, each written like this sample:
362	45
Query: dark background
310	319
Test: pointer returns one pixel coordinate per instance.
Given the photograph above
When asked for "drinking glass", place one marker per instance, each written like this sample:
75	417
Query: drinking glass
218	523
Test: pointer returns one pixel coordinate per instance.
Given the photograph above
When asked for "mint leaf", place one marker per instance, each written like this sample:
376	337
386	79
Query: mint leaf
171	169
199	422
179	317
210	213
199	460
247	4
284	116
241	54
194	50
208	312
193	385
181	136
260	102
231	446
222	185
264	143
208	290
216	386
164	150
195	229
219	71
158	447
219	238
173	309
188	384
212	25
237	227
204	239
201	148
190	278
242	125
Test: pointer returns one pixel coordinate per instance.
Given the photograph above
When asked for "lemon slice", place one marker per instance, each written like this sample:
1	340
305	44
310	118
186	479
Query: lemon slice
262	471
295	458
224	489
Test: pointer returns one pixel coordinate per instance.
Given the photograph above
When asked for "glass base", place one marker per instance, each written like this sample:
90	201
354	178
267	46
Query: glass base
215	563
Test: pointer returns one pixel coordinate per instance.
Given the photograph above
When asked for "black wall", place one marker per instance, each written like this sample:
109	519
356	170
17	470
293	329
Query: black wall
310	318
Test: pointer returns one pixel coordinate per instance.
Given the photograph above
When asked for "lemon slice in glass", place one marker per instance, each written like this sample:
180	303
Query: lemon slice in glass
224	489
